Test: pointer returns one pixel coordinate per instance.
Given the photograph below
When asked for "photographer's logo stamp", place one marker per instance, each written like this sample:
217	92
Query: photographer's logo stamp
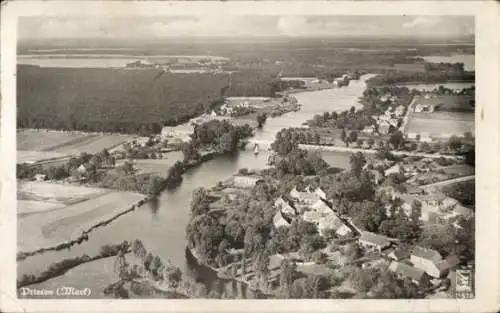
464	282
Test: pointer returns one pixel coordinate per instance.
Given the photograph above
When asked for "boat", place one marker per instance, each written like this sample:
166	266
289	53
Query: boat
256	149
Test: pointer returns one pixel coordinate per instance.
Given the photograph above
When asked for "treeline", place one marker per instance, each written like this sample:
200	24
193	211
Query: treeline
100	170
61	267
393	77
111	100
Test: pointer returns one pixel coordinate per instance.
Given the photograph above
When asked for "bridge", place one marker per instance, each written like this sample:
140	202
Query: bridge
267	144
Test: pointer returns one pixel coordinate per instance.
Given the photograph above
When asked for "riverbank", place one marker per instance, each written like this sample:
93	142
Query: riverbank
240	279
60	268
84	234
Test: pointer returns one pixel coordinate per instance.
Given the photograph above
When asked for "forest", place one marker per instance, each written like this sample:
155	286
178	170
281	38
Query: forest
125	101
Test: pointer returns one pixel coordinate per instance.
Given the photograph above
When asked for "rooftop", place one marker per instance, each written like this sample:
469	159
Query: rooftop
425	253
373	238
406	270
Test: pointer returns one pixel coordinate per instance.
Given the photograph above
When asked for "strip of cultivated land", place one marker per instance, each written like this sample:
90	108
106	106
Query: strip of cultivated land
64	212
37	145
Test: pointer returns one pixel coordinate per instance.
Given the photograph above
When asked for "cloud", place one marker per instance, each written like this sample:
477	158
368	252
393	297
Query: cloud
242	26
422	21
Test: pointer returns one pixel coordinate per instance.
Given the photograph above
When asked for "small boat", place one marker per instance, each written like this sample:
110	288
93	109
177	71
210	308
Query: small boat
256	149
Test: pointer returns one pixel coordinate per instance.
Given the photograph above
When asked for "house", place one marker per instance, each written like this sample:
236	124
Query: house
320	193
286	206
392	170
374	241
399	110
82	169
181	131
449	203
40	177
400	253
428	260
279	220
331	221
368	129
402	270
241	181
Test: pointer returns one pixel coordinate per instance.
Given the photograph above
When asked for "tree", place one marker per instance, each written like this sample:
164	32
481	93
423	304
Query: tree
455	142
416	211
199	202
357	161
396	139
353	136
148	260
371	142
343	136
287	274
138	249
261	119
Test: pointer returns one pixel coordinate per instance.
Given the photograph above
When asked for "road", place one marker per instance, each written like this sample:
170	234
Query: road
266	143
449	181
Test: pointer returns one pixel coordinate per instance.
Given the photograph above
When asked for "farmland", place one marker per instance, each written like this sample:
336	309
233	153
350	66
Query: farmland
98	273
78	210
442	123
34	145
157	166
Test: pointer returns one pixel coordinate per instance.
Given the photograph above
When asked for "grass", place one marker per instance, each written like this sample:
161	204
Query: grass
449	123
53	227
98	274
36	145
44	141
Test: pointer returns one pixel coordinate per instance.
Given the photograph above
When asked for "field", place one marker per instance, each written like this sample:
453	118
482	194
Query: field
62	218
34	145
442	123
98	274
158	166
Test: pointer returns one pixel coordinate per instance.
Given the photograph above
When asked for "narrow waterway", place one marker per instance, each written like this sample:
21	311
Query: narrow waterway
161	224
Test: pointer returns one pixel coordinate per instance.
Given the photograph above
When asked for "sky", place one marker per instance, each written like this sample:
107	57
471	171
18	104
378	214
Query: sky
244	26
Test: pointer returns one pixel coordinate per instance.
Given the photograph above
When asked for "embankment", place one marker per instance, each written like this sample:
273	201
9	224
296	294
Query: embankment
84	235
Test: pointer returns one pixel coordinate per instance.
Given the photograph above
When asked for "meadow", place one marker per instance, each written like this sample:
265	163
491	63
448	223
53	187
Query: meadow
442	123
38	145
78	210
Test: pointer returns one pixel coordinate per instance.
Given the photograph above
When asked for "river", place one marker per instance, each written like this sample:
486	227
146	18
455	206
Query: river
161	224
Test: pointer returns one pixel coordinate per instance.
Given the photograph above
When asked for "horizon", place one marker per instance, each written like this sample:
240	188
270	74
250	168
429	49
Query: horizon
246	28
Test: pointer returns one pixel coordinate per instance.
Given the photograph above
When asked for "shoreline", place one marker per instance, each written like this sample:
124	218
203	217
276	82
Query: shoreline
220	276
22	255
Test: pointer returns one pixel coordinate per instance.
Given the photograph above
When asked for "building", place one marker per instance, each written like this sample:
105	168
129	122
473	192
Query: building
374	241
402	270
306	197
400	253
40	177
332	222
320	193
279	220
400	110
242	181
370	129
428	260
285	206
393	170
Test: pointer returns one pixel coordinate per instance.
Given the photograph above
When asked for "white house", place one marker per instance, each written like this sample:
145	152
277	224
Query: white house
332	222
392	170
402	270
374	241
320	193
279	220
428	260
285	206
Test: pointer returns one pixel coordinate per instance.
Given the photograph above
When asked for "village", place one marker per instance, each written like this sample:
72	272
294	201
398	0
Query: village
431	271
